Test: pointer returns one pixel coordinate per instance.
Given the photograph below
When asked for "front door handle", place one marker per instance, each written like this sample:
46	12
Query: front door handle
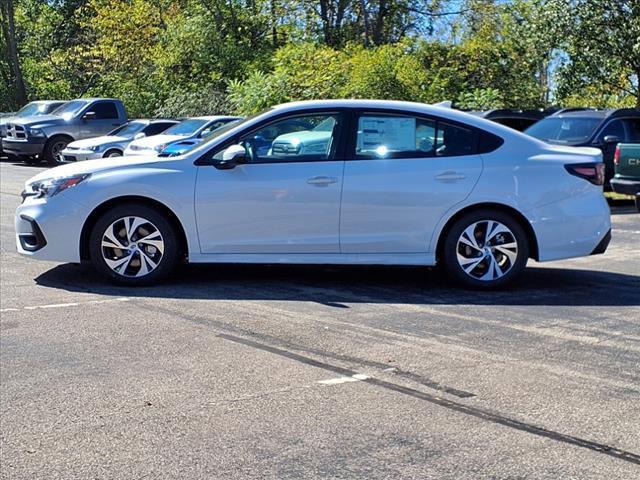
322	181
450	176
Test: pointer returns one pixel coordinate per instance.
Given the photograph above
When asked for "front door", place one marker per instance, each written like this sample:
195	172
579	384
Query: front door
401	175
285	199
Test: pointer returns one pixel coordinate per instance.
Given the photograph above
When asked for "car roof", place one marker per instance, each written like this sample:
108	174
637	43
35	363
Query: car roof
597	113
212	117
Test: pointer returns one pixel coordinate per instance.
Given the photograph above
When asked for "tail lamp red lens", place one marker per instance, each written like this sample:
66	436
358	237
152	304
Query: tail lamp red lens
616	157
592	172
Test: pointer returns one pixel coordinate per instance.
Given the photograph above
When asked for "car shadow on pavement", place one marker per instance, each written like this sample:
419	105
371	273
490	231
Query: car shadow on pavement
338	286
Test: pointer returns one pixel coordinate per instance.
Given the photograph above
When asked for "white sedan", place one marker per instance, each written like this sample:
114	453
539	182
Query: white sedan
395	183
115	142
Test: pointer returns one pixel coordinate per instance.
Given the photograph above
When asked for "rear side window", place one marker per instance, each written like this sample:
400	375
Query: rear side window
156	128
633	129
401	136
488	142
104	111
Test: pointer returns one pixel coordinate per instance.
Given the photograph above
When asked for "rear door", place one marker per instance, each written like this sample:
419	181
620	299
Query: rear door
402	173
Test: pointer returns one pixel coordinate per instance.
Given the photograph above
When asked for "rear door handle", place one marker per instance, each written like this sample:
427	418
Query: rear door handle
322	181
450	176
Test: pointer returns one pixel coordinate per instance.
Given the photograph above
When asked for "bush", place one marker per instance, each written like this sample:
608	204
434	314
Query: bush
205	101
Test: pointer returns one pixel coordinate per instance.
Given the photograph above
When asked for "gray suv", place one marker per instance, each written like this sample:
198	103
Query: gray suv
35	138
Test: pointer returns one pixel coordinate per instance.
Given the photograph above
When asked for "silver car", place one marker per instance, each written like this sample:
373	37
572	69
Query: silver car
115	142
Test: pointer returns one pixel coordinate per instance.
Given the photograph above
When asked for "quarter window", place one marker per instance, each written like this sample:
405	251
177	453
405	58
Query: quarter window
293	139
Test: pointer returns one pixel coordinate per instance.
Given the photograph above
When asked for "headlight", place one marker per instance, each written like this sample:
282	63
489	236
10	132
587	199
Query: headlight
97	148
36	132
159	148
52	186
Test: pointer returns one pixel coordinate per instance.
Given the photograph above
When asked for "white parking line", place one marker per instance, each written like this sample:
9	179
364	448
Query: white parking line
65	305
358	377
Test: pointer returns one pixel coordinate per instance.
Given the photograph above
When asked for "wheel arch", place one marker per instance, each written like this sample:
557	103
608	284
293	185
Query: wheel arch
113	149
520	218
95	214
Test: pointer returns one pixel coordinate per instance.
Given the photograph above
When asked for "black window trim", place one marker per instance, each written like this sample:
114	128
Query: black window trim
338	150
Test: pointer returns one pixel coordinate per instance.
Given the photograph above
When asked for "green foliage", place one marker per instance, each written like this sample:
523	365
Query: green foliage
188	57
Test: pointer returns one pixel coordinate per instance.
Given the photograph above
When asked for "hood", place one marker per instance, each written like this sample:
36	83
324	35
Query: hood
41	121
155	140
306	136
93	166
97	141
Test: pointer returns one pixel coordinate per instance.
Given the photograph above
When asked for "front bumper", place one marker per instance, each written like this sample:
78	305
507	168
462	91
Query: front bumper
29	148
625	187
50	229
80	155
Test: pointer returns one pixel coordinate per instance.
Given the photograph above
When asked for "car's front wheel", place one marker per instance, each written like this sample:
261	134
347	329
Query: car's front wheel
485	249
133	245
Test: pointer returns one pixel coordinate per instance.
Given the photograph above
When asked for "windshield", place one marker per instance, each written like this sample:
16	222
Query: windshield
128	130
70	108
32	109
571	130
186	128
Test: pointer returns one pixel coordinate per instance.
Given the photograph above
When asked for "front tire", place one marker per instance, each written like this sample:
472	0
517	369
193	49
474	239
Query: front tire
133	245
112	154
53	148
485	249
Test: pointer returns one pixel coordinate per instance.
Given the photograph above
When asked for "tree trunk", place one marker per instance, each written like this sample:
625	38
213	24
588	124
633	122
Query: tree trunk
20	92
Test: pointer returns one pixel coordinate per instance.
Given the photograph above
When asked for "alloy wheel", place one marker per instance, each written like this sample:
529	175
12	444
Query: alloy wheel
132	246
487	250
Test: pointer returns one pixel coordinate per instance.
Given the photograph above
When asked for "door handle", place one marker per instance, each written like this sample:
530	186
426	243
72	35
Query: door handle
322	181
450	176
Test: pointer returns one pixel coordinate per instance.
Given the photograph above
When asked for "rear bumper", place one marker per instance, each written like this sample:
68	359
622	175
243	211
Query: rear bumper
22	148
625	187
604	243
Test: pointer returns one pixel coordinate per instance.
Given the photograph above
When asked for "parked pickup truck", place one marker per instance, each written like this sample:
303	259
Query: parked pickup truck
33	139
627	171
32	109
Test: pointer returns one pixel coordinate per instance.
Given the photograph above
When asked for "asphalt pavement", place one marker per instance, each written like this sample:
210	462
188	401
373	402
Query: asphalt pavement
263	372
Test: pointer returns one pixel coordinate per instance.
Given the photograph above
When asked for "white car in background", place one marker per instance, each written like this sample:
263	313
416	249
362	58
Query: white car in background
395	183
197	127
115	142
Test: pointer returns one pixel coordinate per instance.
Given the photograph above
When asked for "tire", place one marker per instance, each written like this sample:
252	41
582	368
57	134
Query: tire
637	202
487	265
133	264
53	147
112	153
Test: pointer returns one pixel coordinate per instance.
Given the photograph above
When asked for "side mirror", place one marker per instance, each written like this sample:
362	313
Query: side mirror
608	139
232	156
138	136
89	116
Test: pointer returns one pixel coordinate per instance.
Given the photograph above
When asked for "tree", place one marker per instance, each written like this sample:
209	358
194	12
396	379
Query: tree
602	50
16	80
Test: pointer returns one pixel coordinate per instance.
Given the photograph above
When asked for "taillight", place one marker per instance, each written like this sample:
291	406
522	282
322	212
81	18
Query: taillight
592	172
616	157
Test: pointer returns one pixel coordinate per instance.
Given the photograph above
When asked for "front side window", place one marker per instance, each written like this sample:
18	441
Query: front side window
391	136
104	111
614	128
293	139
633	128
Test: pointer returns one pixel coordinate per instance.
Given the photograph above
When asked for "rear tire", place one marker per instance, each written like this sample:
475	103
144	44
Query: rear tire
53	147
637	202
133	245
485	249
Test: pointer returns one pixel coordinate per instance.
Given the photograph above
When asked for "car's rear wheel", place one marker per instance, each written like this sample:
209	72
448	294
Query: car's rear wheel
637	202
485	249
133	245
53	149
